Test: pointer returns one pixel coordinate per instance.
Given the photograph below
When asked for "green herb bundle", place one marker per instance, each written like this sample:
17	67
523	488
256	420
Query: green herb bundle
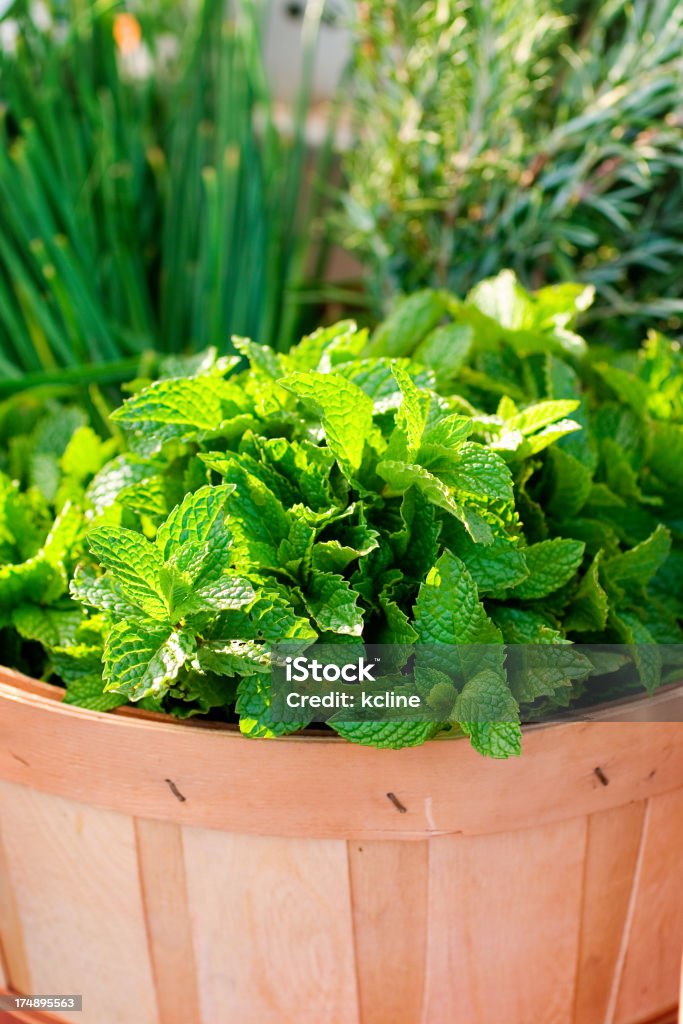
467	475
150	201
543	136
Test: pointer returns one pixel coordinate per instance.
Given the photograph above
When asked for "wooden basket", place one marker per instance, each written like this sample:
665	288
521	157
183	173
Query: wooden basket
180	874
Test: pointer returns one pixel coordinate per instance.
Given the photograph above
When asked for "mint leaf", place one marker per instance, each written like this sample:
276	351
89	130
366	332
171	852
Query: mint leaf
413	318
253	707
448	609
488	713
101	592
639	565
345	411
257	520
589	607
51	627
197	528
190	402
88	693
333	604
551	564
400	477
143	659
386	735
135	564
411	417
494	567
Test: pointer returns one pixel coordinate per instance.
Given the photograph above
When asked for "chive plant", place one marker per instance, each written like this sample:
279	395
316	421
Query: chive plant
151	202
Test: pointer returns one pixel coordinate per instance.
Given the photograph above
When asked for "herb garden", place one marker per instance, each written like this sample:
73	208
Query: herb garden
419	394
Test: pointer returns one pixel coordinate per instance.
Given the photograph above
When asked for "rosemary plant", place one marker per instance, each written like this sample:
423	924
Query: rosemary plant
544	135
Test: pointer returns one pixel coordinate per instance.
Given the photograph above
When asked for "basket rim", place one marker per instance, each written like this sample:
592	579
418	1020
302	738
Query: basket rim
318	786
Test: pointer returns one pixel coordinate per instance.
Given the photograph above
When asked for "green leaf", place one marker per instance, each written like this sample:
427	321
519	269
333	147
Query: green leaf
63	540
386	735
494	567
35	580
476	471
86	453
234	657
50	627
136	565
116	476
502	300
411	417
412	319
401	476
551	564
639	565
78	661
333	604
345	411
253	707
542	414
198	527
222	594
88	693
101	592
335	556
277	620
667	452
571	483
448	609
523	626
189	402
589	607
257	520
143	659
446	349
487	712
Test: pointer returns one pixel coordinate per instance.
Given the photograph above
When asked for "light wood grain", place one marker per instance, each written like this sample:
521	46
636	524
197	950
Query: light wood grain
272	929
341	789
75	881
389	899
504	926
13	962
25	1016
162	874
651	967
612	847
185	874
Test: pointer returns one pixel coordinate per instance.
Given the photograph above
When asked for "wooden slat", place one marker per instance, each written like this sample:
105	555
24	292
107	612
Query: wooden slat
611	856
272	929
446	787
25	1016
74	877
503	926
162	873
652	961
389	900
13	963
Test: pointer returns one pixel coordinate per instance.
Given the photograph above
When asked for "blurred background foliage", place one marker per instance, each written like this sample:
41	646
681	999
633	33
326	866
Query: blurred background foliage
150	201
153	200
541	135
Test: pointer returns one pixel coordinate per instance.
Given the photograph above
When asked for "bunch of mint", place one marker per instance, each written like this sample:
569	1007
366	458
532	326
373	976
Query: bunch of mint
469	474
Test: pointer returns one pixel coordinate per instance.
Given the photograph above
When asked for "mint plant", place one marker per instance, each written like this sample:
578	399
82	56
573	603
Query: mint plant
470	474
